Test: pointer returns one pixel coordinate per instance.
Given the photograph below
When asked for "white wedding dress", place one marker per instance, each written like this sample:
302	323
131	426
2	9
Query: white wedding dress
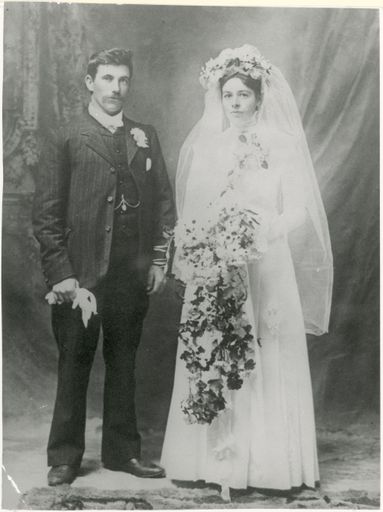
266	436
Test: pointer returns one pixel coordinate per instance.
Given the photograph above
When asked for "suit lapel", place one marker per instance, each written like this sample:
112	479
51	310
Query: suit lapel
131	151
131	146
92	131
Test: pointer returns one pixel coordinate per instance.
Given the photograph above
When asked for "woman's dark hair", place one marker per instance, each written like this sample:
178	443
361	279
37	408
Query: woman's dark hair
117	56
254	84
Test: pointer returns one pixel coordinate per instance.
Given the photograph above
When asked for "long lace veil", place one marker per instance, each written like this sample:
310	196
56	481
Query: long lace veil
280	123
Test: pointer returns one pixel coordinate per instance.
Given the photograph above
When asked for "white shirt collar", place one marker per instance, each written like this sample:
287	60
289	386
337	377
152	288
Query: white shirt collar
111	123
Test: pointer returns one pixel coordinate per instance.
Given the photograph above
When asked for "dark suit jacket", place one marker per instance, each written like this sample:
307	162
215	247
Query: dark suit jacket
74	201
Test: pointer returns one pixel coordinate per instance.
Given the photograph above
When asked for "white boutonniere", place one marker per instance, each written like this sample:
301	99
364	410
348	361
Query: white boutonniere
148	164
139	137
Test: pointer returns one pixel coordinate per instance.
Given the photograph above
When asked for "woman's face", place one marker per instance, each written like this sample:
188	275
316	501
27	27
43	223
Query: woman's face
239	101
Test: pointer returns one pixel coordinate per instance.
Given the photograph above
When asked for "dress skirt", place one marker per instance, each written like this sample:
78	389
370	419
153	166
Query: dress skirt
265	438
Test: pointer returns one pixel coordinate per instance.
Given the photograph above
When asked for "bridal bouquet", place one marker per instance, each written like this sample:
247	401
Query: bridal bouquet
215	331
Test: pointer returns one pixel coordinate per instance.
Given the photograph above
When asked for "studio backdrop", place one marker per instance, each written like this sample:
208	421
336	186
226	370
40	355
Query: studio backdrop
330	58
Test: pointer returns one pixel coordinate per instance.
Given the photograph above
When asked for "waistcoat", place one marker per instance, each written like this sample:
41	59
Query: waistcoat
126	206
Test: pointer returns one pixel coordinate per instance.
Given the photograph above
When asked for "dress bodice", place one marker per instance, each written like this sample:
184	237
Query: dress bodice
253	186
258	188
255	182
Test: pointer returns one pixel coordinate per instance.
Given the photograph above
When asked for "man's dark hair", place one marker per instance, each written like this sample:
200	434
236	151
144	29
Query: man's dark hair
117	56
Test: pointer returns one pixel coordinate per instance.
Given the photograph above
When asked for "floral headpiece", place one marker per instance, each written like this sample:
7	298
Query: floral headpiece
246	60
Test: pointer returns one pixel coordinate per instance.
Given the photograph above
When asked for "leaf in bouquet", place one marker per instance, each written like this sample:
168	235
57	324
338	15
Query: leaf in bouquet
215	385
234	382
185	355
248	337
193	367
201	385
247	328
265	165
249	364
242	138
197	301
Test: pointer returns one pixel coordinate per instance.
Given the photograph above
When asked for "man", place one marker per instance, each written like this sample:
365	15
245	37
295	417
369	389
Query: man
103	212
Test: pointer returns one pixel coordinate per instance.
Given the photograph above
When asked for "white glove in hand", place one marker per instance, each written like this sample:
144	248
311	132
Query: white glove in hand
87	302
51	298
84	299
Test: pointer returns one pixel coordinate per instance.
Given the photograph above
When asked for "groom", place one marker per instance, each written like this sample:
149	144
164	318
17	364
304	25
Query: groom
103	212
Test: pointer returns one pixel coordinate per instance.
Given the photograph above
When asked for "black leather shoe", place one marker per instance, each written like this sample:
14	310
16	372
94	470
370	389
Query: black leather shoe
137	468
62	474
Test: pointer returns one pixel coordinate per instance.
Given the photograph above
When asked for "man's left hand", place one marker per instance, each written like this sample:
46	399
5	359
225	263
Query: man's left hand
156	280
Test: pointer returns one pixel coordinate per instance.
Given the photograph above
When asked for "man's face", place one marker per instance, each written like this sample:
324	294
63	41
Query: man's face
109	87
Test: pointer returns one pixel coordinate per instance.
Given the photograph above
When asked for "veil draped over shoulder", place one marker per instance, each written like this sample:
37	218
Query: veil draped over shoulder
280	128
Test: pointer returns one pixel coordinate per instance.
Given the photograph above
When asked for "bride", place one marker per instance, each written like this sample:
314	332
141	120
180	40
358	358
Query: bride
253	248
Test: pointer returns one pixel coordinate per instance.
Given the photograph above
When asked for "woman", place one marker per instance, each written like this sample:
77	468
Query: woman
242	411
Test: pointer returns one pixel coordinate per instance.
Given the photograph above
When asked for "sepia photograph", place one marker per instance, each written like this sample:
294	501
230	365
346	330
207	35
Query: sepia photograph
190	257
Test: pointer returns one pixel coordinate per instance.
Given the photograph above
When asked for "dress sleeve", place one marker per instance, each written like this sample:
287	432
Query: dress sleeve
292	200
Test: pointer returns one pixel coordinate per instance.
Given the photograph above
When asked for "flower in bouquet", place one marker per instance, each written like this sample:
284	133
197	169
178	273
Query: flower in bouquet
196	257
237	236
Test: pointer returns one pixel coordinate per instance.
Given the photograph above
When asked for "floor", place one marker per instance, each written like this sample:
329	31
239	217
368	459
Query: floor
349	465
